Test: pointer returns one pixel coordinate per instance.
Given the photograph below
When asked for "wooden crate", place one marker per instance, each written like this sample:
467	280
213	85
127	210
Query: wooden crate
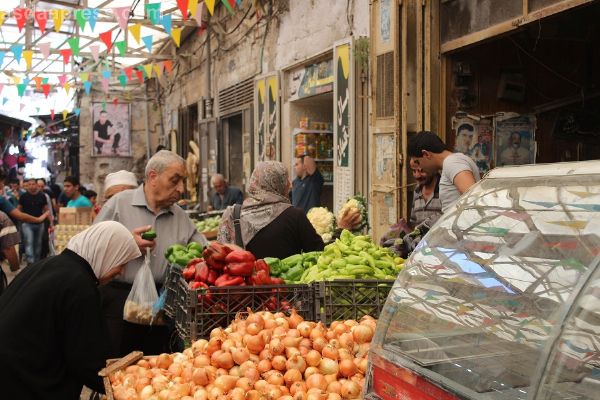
116	364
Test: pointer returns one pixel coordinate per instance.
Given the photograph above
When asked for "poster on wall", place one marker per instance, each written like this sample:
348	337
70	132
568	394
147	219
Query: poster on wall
343	129
266	98
515	139
311	80
261	108
111	130
475	138
384	21
271	148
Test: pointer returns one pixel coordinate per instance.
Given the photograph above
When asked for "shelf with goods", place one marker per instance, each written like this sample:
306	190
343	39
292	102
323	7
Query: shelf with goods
318	144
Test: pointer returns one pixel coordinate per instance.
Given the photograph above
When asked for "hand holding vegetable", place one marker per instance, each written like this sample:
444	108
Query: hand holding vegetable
140	241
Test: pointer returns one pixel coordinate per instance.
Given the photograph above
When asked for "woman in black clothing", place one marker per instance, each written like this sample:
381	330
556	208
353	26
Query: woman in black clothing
53	339
269	225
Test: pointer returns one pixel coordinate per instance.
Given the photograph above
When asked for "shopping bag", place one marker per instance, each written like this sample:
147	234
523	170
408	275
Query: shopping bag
143	295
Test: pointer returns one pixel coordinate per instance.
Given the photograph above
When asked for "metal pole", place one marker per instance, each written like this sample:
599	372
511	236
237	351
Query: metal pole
147	119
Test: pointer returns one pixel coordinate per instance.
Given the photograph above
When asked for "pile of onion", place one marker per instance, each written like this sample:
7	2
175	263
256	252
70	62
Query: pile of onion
266	356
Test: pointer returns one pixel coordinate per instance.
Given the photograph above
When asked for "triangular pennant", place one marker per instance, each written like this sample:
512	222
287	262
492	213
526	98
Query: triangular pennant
77	111
22	107
21	89
64	114
66	53
95	52
17	50
16	80
210	5
153	11
67	88
62	79
41	17
45	49
123	80
157	70
81	18
37	110
122	47
140	75
193	7
26	80
168	64
38	82
52	114
74	45
106	74
28	55
136	31
45	80
106	37
92	17
58	16
104	105
148	41
2	54
87	86
128	72
183	7
122	16
167	23
176	33
228	6
198	15
84	76
148	70
1	87
105	85
2	17
116	101
21	15
238	2
4	100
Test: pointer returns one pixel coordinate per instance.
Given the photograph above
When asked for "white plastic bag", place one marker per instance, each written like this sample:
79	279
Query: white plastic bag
143	295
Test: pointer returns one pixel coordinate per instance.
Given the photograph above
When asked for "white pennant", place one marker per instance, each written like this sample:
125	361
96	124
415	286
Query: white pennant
95	51
45	49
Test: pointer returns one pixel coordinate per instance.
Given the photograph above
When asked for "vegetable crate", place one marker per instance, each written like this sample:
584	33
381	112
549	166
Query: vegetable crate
199	314
350	299
172	287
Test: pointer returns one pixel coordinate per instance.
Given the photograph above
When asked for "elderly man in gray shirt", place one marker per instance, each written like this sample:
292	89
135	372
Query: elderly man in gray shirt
150	206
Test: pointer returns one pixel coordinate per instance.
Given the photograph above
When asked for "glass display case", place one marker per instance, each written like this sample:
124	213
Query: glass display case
501	299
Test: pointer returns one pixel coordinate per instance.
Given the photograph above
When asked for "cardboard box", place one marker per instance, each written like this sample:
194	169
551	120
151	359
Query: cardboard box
75	216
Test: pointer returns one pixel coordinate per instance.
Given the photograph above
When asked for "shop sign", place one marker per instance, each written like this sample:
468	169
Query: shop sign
266	99
311	80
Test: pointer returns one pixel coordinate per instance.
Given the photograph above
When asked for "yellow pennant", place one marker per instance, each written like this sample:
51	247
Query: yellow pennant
2	17
84	76
135	31
16	80
58	16
157	70
27	55
148	69
571	224
193	7
64	113
210	4
67	87
176	33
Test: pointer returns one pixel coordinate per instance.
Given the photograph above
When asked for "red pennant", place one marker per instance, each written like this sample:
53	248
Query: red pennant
66	53
106	37
46	89
21	15
116	101
183	7
41	17
168	66
129	72
52	114
140	75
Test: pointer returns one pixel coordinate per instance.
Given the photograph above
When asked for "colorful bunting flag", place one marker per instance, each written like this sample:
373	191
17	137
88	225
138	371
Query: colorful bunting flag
2	54
210	5
66	53
153	11
17	50
128	72
148	70
123	80
41	17
80	17
84	76
2	17
4	100
183	7
176	34
22	106
157	70
122	16
193	7
167	23
62	79
106	74
87	86
52	114
229	5
135	31
77	111
92	17
105	85
116	101
38	82
148	41
122	47
28	55
74	45
198	15
58	16
37	110
1	87
95	52
21	15
106	37
45	49
21	89
64	114
67	87
45	80
16	80
140	76
168	64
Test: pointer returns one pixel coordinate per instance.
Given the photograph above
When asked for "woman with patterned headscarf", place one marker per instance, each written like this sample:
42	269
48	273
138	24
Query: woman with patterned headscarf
268	224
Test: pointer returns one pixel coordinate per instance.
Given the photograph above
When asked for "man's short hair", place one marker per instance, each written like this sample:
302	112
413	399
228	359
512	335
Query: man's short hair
73	180
427	141
467	127
30	179
90	193
217	178
161	161
41	179
103	112
14	181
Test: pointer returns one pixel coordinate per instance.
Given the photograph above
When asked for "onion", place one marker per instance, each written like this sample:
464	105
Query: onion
350	323
255	318
318	331
221	372
273	392
331	378
310	371
181	389
362	334
146	392
261	385
252	374
228	345
253	395
201	377
347	368
276	379
244	383
240	355
235	371
201	360
330	334
313	358
226	382
292	351
264	366
300	395
270	324
254	343
217	332
214	393
291	376
276	346
330	352
278	363
214	344
334	396
319	344
253	328
304	329
222	359
306	342
344	354
296	362
316	394
350	390
293	333
200	394
334	387
328	366
286	397
236	394
282	322
363	364
266	354
316	381
163	361
295	319
279	332
186	374
346	341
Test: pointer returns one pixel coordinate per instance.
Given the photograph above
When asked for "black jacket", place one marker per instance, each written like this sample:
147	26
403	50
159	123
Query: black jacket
53	339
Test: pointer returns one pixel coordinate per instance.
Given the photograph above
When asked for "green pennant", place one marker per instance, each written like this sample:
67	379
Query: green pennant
141	68
21	89
104	105
153	12
37	109
123	80
80	18
227	6
122	47
74	45
45	81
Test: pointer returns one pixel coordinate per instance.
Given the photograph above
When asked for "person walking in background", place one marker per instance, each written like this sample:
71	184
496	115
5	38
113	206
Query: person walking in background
72	191
224	195
9	239
308	184
15	191
33	203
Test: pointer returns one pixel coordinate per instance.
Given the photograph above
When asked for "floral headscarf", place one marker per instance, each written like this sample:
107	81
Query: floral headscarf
267	199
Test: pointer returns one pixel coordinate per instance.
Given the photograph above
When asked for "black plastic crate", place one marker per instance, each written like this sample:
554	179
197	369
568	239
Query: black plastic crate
195	318
350	299
172	287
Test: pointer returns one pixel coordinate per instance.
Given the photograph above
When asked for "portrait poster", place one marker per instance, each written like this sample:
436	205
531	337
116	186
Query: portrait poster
475	138
111	130
515	139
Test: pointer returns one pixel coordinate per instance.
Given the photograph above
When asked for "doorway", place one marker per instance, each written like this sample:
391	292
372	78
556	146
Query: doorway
231	150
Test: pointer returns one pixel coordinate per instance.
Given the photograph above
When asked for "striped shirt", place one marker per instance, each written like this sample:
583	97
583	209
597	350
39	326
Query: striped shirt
423	210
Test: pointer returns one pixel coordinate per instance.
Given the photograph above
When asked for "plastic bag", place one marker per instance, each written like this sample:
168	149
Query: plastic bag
143	295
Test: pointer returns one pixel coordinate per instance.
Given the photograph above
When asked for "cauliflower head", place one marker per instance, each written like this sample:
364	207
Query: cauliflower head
323	221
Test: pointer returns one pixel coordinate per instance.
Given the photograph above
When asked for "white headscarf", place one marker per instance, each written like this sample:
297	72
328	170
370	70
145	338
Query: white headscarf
104	246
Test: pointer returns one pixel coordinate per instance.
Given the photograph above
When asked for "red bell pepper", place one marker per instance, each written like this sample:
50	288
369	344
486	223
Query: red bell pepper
239	256
216	252
285	305
212	277
194	285
261	265
277	281
204	296
229	280
240	268
271	304
202	272
189	272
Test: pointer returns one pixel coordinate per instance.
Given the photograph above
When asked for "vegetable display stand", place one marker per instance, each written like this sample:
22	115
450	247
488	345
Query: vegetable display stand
196	317
114	365
172	287
350	299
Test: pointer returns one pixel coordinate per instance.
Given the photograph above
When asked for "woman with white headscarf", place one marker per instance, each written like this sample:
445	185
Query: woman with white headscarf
53	339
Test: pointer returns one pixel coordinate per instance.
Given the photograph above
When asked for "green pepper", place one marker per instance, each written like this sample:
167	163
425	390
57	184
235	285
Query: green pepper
149	235
294	274
352	259
358	269
346	237
384	265
197	247
338	264
292	260
368	257
183	258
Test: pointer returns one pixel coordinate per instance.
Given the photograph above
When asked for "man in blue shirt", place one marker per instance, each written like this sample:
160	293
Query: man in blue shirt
224	195
306	188
76	199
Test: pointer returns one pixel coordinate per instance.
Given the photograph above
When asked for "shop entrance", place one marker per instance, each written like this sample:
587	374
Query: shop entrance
231	151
